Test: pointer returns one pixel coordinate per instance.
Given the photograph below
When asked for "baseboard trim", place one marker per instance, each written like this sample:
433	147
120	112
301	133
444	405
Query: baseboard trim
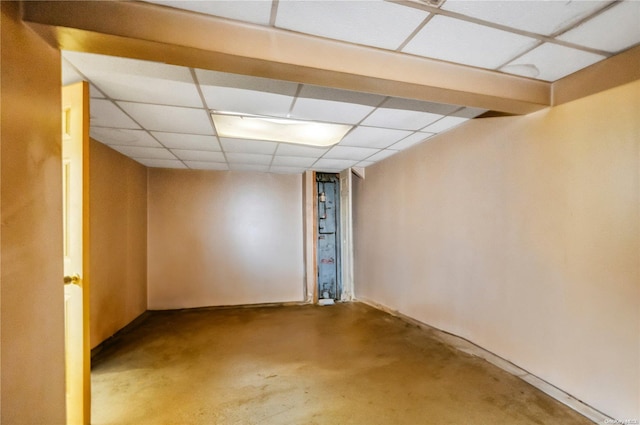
114	338
230	306
466	346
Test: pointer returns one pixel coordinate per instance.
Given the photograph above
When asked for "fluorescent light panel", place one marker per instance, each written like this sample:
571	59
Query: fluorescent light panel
278	129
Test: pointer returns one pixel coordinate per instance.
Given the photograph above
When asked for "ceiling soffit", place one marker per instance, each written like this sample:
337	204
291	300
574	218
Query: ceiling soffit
149	32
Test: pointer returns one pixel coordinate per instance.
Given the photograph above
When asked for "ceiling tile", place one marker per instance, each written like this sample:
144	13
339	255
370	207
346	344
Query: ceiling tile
248	158
541	17
287	170
117	136
463	42
330	111
287	149
337	164
246	82
614	30
373	137
365	163
105	113
411	140
445	124
187	141
148	90
202	156
142	152
257	12
419	105
249	167
94	93
372	23
350	153
248	146
229	99
200	165
71	76
138	81
161	163
171	119
293	161
382	155
551	62
347	96
469	112
400	119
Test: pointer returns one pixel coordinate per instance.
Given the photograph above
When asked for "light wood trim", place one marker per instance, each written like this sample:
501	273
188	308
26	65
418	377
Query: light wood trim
152	32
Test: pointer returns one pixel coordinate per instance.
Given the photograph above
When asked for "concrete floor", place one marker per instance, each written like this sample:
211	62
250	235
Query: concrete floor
341	364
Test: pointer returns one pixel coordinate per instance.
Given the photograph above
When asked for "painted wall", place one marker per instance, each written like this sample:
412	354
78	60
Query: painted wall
118	202
223	238
521	234
31	289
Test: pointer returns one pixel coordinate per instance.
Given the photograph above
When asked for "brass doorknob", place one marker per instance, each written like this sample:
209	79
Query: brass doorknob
75	279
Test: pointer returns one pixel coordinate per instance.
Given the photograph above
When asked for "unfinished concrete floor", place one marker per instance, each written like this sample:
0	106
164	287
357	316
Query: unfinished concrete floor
341	364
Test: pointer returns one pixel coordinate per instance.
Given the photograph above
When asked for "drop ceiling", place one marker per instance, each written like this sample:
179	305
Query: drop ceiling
158	114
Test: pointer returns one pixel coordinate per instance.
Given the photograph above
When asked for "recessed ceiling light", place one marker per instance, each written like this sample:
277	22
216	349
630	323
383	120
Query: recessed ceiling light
256	127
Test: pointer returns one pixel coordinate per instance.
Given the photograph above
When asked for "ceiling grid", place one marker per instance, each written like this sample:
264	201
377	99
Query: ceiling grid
159	114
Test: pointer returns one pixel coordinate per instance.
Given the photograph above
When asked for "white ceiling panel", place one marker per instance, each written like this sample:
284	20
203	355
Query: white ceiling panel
70	76
445	124
329	111
161	163
248	146
136	80
204	165
613	30
249	167
382	155
541	17
194	142
249	158
92	65
418	105
373	137
105	113
349	152
142	152
410	141
148	90
286	149
371	23
365	163
469	112
257	12
400	119
223	79
293	161
229	99
345	96
171	119
118	136
287	170
551	62
335	164
201	156
466	43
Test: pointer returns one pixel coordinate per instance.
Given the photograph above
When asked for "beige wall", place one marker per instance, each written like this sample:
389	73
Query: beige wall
223	238
521	234
118	201
31	300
